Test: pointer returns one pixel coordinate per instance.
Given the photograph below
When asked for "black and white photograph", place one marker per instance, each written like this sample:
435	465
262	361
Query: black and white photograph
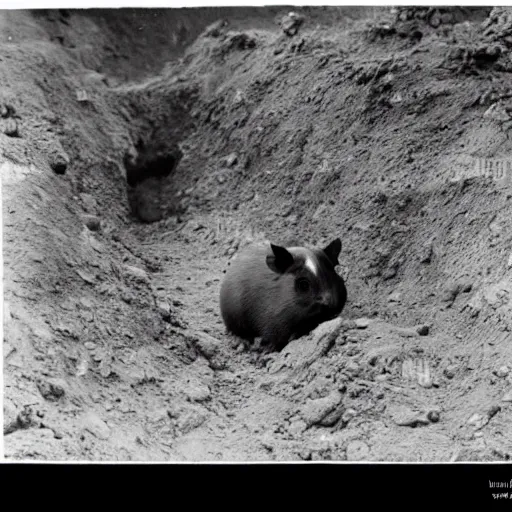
257	234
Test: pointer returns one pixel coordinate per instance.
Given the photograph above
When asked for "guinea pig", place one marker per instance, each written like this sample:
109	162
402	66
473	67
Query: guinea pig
280	294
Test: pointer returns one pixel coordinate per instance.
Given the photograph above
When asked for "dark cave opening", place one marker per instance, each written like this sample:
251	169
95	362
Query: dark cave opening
154	164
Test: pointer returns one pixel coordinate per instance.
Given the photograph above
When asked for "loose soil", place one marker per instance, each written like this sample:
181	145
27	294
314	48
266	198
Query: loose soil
143	148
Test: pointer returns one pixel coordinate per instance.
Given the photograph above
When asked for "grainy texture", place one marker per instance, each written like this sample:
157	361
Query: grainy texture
361	123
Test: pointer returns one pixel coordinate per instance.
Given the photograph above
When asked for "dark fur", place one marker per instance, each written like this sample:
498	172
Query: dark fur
259	294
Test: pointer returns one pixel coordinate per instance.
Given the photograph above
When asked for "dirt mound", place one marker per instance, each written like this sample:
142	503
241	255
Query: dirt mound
143	149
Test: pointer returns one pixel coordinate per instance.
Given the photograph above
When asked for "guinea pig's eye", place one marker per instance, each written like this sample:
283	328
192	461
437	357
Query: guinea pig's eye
303	285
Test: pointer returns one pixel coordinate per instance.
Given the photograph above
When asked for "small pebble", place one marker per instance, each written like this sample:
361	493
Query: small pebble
197	392
105	370
341	340
433	416
450	292
357	450
314	411
11	128
96	426
164	310
4	110
58	161
476	420
297	427
81	95
425	381
92	222
507	397
389	273
88	278
503	371
90	205
57	434
305	454
137	274
352	367
411	420
395	297
231	159
90	345
291	23
427	253
362	323
449	371
348	415
52	389
206	344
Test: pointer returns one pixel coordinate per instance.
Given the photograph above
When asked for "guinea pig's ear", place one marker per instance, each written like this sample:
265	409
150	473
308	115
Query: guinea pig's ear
333	250
281	259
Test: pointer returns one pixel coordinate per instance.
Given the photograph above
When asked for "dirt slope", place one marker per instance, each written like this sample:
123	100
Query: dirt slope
141	150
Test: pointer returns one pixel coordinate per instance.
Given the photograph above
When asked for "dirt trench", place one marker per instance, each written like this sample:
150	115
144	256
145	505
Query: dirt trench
143	149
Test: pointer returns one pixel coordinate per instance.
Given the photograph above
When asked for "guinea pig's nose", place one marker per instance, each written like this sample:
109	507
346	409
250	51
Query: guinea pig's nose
326	304
325	301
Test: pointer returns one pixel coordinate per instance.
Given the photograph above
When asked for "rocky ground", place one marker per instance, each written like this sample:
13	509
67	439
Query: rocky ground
143	149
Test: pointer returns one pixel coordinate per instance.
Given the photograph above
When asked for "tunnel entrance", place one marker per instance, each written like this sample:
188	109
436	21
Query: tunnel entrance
146	173
151	163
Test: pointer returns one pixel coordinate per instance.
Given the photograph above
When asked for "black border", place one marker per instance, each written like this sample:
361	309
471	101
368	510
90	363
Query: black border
411	485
